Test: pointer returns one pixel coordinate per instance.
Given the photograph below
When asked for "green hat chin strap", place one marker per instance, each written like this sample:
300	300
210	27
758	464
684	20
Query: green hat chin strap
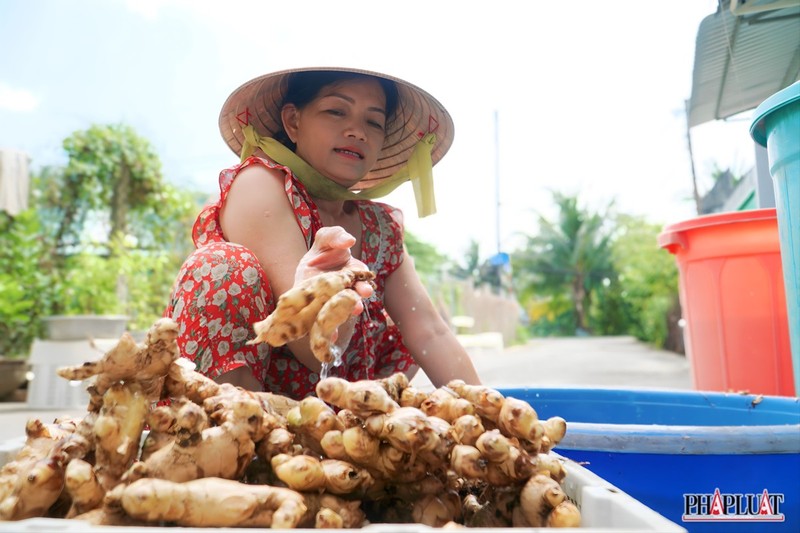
419	170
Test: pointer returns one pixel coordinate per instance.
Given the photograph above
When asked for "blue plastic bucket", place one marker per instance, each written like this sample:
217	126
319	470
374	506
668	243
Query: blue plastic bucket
673	451
776	125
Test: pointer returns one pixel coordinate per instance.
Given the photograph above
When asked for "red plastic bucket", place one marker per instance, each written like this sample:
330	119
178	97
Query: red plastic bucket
733	301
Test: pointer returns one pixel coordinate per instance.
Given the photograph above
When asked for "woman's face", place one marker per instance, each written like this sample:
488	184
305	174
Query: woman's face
341	132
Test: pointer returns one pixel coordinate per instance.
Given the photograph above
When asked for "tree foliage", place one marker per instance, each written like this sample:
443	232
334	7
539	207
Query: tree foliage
605	267
112	179
482	272
105	234
26	288
648	281
569	258
428	261
470	264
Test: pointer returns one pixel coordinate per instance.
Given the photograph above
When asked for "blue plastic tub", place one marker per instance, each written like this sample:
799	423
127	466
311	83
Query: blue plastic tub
776	125
673	450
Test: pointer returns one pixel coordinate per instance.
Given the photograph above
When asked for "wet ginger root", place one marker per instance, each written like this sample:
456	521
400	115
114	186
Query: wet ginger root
436	510
555	428
446	404
487	401
565	514
212	502
406	428
333	314
363	398
313	417
514	417
299	472
34	480
540	495
297	309
202	450
147	364
327	510
118	430
83	487
467	429
396	385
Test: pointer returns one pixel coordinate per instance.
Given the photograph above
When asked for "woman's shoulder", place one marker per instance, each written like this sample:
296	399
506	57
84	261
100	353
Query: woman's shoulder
253	165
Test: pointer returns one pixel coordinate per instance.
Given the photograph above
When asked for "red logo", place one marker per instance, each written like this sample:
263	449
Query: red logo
722	507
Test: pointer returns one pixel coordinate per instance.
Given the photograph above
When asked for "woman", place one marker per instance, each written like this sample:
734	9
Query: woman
317	145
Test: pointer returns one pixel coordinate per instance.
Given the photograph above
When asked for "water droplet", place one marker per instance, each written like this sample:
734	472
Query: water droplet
413	308
325	368
337	355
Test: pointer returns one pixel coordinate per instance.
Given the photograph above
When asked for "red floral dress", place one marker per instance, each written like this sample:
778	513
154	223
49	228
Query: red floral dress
222	290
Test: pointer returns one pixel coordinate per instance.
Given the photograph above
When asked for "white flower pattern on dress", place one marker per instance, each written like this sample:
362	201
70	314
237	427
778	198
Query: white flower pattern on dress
223	347
220	297
214	327
218	272
239	334
191	347
250	276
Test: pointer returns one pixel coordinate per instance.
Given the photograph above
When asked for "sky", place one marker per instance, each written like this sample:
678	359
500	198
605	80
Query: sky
583	97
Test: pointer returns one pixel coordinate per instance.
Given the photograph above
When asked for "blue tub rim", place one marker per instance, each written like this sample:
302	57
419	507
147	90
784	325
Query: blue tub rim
782	98
696	439
681	440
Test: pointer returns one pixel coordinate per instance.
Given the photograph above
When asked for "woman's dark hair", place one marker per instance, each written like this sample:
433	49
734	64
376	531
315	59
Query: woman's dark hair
303	87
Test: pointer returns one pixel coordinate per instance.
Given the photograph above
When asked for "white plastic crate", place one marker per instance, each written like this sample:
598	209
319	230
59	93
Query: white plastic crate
49	390
604	509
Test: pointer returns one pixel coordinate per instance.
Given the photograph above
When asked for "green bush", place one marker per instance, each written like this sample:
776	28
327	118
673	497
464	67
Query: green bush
26	288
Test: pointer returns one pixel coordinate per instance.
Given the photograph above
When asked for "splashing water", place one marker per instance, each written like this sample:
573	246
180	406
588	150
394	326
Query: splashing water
369	324
338	352
337	361
337	355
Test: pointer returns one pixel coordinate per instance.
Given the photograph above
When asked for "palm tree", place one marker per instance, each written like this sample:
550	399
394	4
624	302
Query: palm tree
569	256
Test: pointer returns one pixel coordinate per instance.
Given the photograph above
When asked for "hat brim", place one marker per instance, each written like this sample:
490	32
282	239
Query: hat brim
258	102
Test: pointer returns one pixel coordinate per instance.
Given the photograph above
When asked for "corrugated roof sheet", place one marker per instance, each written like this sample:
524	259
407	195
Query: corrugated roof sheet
742	60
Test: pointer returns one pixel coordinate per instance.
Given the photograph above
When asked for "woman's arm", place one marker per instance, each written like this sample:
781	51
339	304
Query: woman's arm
425	333
257	215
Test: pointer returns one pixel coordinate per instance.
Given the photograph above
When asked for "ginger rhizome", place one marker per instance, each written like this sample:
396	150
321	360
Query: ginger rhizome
216	455
315	307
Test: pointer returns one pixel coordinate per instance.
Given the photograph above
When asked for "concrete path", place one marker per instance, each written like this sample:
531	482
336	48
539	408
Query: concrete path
615	362
618	362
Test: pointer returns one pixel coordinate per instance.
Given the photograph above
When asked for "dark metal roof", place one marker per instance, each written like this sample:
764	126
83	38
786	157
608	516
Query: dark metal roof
742	59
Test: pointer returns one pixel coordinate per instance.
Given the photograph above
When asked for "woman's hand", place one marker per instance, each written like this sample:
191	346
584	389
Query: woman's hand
331	251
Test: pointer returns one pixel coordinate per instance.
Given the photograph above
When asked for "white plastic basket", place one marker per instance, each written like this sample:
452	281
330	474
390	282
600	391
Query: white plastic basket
604	509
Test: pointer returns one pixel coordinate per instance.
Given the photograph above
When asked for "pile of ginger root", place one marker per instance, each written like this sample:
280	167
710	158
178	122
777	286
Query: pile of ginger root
163	445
